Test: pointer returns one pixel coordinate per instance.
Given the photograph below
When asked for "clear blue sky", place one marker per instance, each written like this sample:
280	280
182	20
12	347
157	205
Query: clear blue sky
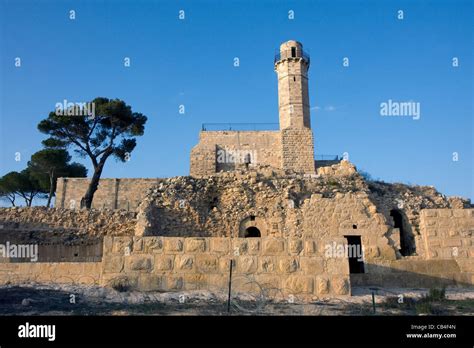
190	62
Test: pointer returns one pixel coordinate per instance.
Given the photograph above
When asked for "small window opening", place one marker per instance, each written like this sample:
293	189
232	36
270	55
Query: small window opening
354	227
293	52
252	232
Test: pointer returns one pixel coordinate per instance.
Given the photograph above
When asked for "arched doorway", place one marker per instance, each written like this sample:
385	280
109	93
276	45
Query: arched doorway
252	232
406	242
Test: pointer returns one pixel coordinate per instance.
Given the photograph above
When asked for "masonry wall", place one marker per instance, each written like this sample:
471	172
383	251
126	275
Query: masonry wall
60	272
281	266
111	194
265	144
449	234
56	225
297	149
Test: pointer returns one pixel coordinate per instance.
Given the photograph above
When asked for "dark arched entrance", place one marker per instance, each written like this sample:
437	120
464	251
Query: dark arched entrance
405	241
252	232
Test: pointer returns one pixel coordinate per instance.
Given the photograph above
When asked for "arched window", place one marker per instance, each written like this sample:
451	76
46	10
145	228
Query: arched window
252	232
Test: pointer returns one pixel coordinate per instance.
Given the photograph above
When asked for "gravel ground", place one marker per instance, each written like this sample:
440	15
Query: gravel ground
34	299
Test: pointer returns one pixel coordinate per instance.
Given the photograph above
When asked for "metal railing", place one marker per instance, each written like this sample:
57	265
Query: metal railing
239	126
327	158
288	54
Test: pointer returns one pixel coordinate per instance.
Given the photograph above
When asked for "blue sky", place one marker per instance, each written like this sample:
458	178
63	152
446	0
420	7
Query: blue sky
190	62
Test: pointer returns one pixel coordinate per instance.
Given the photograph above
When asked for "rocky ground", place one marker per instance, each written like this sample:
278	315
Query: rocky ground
91	300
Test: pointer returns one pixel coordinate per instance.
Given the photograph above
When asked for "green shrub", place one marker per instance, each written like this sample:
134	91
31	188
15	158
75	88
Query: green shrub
436	294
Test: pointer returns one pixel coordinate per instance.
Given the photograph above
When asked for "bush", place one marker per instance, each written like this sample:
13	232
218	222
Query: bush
436	294
424	307
120	284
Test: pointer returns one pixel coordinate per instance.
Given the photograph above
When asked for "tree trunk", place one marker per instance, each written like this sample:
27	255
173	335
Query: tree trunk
87	199
51	188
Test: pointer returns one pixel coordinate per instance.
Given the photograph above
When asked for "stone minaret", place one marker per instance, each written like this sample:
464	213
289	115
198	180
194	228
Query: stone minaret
291	66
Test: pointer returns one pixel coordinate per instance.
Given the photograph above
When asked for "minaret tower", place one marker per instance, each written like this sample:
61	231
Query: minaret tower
291	66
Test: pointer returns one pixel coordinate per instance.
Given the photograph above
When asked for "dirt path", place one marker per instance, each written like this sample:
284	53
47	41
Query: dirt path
92	300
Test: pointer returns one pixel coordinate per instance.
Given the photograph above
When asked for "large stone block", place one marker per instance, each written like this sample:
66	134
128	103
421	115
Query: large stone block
163	263
273	246
195	245
312	265
267	264
240	247
122	245
173	244
288	264
108	244
253	246
113	264
207	263
295	246
184	262
140	263
337	266
152	244
220	245
322	285
445	213
173	283
299	284
310	247
246	264
150	282
194	281
340	285
137	244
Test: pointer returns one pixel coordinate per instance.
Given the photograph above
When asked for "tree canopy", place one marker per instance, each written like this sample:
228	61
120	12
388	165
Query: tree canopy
49	164
21	183
111	131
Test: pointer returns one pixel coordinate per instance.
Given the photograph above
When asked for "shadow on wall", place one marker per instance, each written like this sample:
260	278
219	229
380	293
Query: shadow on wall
414	274
407	238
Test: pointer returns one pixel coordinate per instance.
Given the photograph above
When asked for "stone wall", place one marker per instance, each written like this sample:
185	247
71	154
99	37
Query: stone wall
448	233
228	203
263	147
56	225
415	273
88	273
280	266
297	150
123	194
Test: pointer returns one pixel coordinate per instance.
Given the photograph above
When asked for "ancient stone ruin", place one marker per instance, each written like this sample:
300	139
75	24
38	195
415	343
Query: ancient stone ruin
258	201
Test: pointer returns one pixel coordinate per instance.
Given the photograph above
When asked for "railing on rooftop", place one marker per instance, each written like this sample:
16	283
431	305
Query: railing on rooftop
239	126
327	158
289	54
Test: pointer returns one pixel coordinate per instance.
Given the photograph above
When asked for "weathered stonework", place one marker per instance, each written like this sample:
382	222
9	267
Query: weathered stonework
277	217
291	148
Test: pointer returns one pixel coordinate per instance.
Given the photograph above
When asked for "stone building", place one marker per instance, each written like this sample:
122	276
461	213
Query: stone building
257	200
291	147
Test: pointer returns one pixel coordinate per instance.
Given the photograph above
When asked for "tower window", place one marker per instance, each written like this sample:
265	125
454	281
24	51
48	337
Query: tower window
293	51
